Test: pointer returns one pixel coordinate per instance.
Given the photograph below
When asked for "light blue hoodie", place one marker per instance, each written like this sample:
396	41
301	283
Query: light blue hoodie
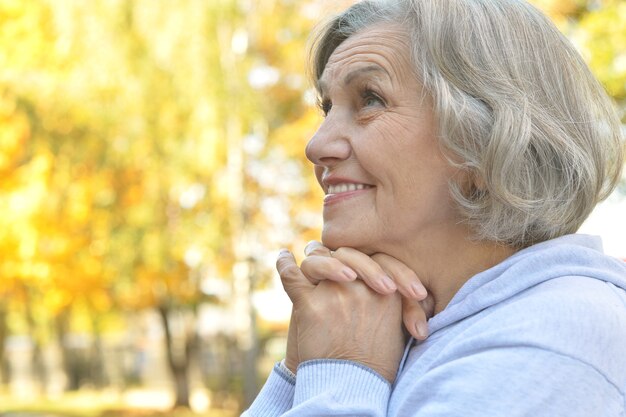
541	334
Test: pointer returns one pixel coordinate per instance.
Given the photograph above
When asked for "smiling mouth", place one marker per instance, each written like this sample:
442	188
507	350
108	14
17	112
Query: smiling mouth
346	188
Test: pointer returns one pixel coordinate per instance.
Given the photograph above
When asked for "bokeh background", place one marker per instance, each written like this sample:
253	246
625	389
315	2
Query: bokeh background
151	167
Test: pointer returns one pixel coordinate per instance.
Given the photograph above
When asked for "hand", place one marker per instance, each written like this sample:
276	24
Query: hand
341	320
292	358
325	268
381	272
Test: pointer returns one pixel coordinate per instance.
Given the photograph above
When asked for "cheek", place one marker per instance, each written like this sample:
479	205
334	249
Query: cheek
416	174
406	131
406	150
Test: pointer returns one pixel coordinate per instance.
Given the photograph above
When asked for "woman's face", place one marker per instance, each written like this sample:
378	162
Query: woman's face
376	154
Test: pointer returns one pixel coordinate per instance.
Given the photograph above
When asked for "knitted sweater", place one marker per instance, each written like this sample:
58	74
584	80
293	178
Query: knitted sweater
543	333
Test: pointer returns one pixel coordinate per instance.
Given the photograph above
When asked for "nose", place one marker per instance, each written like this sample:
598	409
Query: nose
330	144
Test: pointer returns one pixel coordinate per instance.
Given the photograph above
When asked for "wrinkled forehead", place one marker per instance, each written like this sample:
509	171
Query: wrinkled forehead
383	49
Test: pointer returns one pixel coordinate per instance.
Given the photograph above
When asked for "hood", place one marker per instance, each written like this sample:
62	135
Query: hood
570	255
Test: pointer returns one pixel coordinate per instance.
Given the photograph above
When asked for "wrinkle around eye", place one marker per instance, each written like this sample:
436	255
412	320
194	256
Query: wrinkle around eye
369	114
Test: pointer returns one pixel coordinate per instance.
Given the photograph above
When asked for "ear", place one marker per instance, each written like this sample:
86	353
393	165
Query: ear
472	182
478	181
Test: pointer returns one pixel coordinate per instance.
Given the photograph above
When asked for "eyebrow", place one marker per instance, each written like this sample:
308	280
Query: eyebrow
352	75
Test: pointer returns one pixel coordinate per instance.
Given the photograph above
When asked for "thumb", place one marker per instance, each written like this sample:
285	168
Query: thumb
294	282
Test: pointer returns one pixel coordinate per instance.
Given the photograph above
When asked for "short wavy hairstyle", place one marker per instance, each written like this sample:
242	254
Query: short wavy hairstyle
518	110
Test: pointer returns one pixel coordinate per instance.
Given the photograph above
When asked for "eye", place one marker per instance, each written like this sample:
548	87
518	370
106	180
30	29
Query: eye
370	98
325	105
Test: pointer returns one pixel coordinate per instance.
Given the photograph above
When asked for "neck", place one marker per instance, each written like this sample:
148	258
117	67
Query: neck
446	261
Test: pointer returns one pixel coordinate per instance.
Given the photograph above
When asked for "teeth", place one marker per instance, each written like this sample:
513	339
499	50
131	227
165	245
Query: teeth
344	188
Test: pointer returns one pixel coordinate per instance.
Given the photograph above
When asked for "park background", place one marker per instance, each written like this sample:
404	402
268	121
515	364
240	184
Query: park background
151	167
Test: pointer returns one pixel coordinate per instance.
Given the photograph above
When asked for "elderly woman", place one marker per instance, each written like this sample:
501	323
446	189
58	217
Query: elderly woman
464	142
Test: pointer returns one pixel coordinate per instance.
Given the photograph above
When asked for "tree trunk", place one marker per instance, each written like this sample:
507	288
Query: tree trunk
61	327
251	356
178	357
39	373
181	382
97	372
5	369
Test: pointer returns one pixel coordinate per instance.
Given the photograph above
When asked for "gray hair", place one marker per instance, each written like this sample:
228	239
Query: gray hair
518	110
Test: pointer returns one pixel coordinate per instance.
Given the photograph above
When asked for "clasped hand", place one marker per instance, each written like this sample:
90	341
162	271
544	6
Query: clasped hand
348	305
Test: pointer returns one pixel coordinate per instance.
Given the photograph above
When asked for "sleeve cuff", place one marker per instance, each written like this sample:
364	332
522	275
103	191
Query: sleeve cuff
356	388
287	372
276	396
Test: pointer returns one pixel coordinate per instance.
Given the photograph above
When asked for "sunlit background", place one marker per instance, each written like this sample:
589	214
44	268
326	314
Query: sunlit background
151	167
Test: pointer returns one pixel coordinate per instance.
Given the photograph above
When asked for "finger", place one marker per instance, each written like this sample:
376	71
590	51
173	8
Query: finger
428	305
319	265
294	282
414	318
316	248
405	278
318	268
367	269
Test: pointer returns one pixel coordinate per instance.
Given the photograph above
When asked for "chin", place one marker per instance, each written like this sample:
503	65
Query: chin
334	240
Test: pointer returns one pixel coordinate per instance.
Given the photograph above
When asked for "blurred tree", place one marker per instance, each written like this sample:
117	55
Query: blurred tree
598	29
155	160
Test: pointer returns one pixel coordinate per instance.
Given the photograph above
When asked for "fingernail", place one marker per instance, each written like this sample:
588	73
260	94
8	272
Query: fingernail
283	251
307	248
419	290
422	329
349	273
388	283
